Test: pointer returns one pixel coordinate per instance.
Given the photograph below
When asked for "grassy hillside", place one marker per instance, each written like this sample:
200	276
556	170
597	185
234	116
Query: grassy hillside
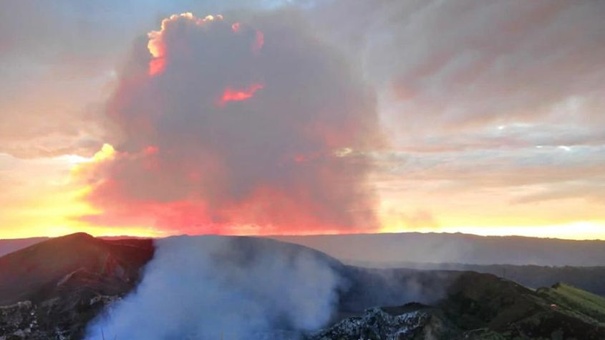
482	301
577	302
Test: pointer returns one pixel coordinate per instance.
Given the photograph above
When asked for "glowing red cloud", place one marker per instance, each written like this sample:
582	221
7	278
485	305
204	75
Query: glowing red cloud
233	95
151	150
259	41
188	160
156	66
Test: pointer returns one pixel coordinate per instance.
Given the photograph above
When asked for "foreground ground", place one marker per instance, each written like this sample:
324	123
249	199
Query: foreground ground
53	289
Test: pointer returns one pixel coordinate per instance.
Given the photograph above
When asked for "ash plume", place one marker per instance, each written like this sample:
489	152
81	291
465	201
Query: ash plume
225	126
213	287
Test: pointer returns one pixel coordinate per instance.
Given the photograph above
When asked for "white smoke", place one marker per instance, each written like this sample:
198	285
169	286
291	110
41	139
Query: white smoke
215	287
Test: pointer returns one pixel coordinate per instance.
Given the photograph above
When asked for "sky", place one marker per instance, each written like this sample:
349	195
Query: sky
157	118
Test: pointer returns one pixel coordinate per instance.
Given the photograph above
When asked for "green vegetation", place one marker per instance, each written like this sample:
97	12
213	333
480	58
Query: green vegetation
571	300
486	307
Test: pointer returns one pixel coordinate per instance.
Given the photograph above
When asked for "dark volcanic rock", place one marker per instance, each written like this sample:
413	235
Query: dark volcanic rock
377	324
18	320
57	318
413	321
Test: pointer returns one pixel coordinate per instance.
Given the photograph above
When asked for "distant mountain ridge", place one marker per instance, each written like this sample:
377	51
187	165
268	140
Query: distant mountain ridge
10	245
381	249
391	249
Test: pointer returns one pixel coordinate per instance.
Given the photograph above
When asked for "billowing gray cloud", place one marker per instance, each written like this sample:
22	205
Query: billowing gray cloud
58	61
227	124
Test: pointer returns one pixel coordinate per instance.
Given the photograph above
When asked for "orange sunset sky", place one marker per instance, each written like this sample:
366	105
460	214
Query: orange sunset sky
286	117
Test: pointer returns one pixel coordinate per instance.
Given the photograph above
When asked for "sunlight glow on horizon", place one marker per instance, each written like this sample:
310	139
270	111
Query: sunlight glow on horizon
573	231
53	214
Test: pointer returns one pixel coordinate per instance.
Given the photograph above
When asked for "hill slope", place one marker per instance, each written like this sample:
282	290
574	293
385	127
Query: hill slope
379	249
55	287
483	306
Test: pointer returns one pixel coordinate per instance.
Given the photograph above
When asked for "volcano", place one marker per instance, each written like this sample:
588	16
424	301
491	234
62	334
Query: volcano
58	288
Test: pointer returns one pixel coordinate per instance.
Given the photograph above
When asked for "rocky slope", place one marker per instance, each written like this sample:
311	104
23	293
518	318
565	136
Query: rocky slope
52	289
411	321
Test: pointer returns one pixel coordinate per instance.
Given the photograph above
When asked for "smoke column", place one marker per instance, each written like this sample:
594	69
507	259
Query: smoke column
237	127
213	287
